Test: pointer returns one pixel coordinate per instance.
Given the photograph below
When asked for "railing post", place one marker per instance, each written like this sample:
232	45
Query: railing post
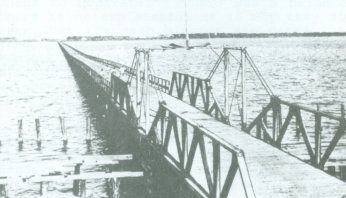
226	82
318	130
276	117
216	170
246	180
243	92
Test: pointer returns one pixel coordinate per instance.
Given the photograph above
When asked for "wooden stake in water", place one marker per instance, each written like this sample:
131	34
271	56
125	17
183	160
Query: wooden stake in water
76	183
63	130
20	132
43	189
113	187
88	130
38	131
3	190
82	187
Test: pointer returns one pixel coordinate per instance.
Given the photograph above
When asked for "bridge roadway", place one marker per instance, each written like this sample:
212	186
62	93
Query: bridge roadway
273	173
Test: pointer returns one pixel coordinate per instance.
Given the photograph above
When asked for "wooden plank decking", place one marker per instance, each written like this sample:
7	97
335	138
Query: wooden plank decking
273	172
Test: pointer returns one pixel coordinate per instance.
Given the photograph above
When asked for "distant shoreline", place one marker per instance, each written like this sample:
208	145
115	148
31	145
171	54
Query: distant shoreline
208	35
182	36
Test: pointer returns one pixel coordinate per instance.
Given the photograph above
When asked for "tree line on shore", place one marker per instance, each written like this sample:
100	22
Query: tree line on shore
208	35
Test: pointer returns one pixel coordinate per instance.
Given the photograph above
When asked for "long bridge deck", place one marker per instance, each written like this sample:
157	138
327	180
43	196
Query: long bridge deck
228	161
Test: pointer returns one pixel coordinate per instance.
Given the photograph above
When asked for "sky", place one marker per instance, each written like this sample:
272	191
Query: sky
60	18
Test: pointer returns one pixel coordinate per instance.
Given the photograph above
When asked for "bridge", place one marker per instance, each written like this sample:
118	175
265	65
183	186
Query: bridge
179	123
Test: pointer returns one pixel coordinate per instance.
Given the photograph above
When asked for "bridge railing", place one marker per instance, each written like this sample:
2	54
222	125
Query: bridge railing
159	83
274	130
170	129
94	75
155	81
198	92
106	62
121	95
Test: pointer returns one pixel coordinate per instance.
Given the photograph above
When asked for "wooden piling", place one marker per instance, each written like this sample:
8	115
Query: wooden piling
3	190
20	132
63	130
76	189
113	187
82	189
38	131
43	189
88	130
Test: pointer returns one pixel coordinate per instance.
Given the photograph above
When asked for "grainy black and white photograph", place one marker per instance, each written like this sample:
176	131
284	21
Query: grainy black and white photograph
172	99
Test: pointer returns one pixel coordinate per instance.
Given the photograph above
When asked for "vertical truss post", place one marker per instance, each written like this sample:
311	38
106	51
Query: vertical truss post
226	82
318	129
216	170
146	91
138	84
246	180
243	88
276	116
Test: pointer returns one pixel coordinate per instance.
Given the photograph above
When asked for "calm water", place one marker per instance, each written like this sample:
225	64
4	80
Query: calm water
36	82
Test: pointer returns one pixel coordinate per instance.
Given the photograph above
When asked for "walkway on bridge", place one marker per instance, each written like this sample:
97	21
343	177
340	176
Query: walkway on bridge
272	172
